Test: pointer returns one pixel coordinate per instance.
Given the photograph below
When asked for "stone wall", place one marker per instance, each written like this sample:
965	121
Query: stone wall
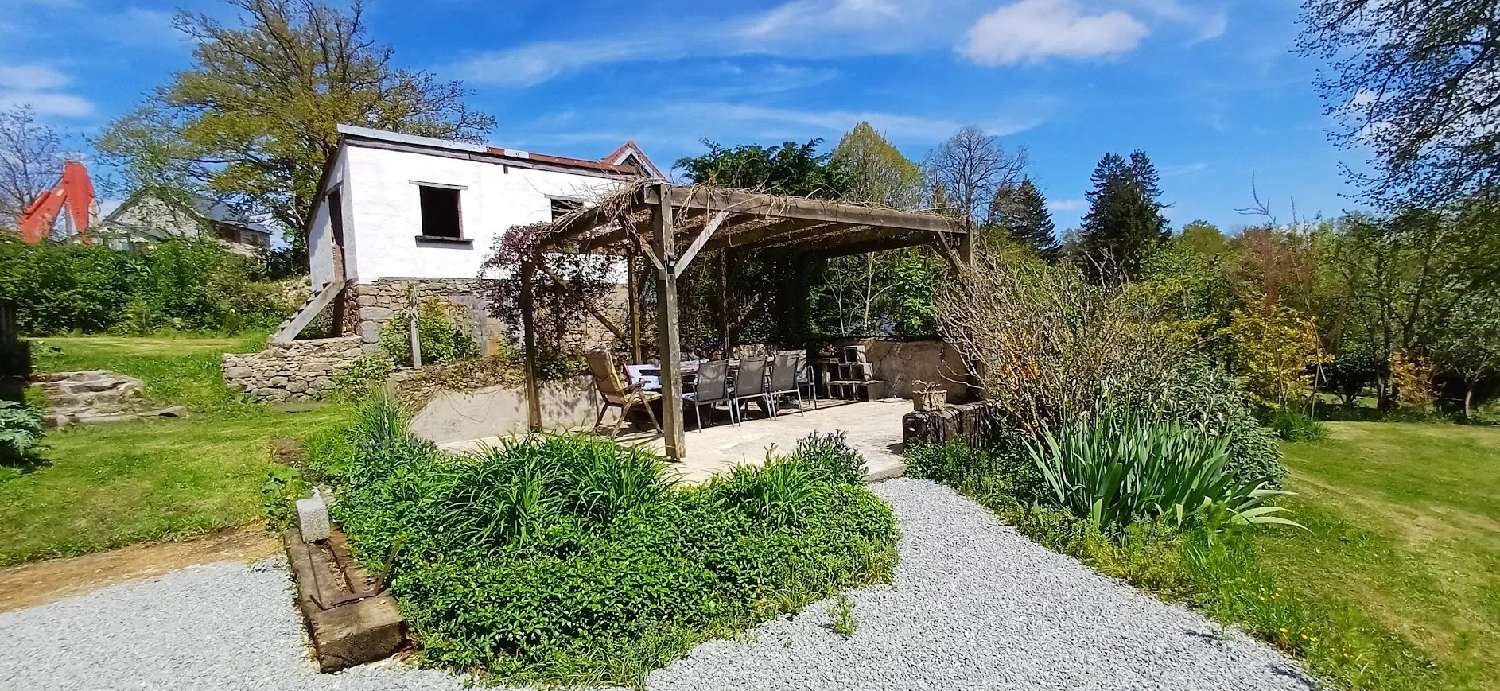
900	363
378	302
296	371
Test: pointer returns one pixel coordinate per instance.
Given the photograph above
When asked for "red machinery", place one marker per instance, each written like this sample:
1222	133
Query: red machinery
74	189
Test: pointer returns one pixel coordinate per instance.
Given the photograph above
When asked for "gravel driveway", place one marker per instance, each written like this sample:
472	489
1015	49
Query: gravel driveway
974	606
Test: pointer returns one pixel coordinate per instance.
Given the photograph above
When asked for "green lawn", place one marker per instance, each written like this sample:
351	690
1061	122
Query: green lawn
103	486
1403	547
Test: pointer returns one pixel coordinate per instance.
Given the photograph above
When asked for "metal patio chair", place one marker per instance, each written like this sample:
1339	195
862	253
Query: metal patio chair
750	384
712	387
615	392
785	370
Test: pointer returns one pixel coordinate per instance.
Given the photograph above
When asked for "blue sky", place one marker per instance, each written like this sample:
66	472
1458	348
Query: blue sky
1207	88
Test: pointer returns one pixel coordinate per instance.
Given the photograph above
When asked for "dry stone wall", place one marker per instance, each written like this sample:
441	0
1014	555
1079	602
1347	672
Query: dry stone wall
296	371
379	302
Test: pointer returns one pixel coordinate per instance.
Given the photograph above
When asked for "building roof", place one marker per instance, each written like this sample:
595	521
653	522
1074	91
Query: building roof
202	206
628	160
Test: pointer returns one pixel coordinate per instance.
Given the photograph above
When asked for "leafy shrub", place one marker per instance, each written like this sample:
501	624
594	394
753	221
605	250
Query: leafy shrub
831	457
1052	349
183	284
20	434
1120	469
1000	468
362	378
571	559
442	331
1292	425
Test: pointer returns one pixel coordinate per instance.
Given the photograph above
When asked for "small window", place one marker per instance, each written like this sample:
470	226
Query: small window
563	207
228	233
440	212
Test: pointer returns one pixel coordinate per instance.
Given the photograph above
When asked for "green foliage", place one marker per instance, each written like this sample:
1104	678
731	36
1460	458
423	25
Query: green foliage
842	612
216	126
1020	211
1124	222
364	376
181	284
442	331
571	559
1121	469
20	434
792	169
878	172
1291	424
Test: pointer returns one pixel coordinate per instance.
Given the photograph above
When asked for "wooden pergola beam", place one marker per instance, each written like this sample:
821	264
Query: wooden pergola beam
756	204
668	342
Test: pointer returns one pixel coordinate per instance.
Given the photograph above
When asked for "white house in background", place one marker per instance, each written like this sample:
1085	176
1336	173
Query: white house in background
401	208
146	218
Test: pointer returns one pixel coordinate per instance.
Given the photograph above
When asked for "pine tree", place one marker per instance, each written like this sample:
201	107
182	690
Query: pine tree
1124	222
1020	211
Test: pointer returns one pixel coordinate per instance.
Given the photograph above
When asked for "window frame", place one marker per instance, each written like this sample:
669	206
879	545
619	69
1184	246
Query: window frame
458	214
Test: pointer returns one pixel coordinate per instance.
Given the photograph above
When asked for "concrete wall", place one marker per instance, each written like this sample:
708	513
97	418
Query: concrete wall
500	410
384	216
296	371
899	363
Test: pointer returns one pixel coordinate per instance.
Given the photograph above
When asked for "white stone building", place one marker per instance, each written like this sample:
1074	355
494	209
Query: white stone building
399	214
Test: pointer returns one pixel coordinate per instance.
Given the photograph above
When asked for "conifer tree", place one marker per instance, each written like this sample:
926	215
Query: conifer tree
1020	211
1125	220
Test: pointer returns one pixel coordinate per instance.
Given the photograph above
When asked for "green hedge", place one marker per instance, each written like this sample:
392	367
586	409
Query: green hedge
180	284
571	559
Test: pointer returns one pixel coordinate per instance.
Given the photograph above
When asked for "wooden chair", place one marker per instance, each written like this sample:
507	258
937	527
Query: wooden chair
615	392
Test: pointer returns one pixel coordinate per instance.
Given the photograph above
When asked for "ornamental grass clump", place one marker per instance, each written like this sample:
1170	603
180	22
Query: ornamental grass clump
1118	468
570	559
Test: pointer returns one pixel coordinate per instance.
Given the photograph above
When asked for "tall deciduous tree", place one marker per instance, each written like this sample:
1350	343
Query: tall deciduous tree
1020	211
1418	83
253	121
1125	220
877	171
791	168
969	167
31	159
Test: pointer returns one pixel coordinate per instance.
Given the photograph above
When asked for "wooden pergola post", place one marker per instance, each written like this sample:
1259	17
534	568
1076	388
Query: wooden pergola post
667	341
528	344
633	290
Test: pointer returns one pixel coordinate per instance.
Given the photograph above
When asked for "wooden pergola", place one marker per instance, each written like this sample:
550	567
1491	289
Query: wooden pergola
670	225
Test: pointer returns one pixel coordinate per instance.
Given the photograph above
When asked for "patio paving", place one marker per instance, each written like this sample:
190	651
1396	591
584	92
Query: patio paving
873	428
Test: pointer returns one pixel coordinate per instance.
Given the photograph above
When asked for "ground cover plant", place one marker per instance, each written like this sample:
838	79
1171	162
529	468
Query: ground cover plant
570	559
103	486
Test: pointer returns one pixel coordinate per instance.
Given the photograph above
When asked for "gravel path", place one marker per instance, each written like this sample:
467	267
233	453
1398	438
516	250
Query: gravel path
974	606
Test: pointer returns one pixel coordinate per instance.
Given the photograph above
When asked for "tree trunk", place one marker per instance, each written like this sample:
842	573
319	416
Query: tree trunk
1468	400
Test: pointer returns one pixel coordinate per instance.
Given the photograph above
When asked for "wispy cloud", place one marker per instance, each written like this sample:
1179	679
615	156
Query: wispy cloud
1180	169
40	87
1066	204
1017	32
1035	30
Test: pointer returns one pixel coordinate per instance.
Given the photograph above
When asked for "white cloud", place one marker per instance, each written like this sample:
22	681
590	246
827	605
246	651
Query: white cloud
1179	169
897	125
1205	21
538	62
31	77
1034	30
1066	204
40	87
66	105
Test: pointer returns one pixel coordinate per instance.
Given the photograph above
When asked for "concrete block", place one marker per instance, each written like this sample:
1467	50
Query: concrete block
312	519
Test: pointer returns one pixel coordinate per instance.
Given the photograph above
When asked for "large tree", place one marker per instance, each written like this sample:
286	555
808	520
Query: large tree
252	122
1418	83
969	167
791	168
1020	211
1124	222
31	159
877	171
